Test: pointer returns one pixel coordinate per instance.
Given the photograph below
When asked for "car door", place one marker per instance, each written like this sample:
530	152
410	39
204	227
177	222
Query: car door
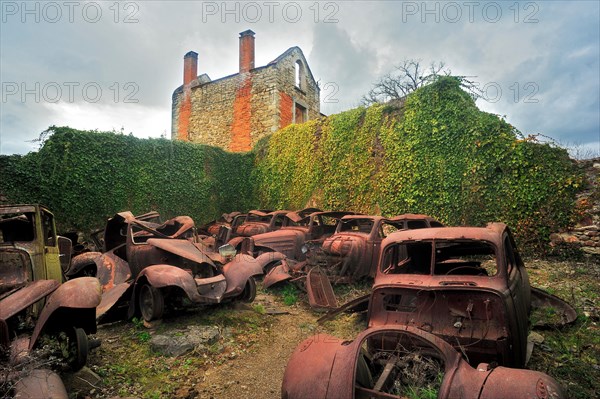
51	251
519	288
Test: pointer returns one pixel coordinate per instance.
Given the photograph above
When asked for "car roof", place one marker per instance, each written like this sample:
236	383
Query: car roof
347	217
413	216
492	233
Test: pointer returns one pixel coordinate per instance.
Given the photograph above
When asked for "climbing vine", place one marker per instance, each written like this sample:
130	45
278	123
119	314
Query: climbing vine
436	153
87	176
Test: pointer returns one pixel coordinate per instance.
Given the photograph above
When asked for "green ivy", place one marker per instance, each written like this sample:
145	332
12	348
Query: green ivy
436	154
87	176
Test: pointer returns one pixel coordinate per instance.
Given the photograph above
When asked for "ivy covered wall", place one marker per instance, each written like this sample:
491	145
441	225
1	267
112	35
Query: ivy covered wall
86	176
436	153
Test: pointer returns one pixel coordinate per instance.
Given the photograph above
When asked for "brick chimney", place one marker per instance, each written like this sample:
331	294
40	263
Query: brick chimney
246	51
190	67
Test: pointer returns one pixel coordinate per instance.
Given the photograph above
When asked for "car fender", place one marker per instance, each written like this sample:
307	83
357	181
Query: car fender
244	245
161	276
110	307
73	303
26	296
40	383
543	299
240	269
269	258
82	261
278	274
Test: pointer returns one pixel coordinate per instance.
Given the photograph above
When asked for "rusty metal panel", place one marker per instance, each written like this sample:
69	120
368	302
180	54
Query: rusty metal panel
211	289
167	275
80	293
238	271
40	384
249	229
324	366
477	322
184	248
520	384
359	304
26	296
320	292
268	258
16	268
117	294
542	299
287	240
112	270
277	275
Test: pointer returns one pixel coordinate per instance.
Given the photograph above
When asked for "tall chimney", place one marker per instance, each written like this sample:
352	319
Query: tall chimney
190	67
246	51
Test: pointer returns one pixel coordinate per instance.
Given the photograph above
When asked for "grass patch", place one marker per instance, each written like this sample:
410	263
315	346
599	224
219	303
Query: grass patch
570	354
259	308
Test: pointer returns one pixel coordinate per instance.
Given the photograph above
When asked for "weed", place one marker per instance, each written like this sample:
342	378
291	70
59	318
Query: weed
421	392
290	295
152	395
143	336
137	323
259	308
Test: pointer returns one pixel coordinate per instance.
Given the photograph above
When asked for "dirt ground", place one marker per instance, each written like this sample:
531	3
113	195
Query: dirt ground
258	372
248	361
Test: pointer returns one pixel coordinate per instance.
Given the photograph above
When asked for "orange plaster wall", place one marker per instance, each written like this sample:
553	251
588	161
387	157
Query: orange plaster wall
285	109
242	114
185	111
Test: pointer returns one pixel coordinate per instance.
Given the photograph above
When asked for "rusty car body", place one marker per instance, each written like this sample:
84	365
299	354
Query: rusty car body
68	317
226	219
258	222
352	252
466	285
32	298
298	228
146	267
30	249
218	232
394	361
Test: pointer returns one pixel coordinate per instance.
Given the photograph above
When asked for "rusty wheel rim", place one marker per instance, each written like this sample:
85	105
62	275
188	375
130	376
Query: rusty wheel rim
151	302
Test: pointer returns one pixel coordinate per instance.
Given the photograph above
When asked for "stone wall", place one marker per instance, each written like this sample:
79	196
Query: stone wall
236	111
585	235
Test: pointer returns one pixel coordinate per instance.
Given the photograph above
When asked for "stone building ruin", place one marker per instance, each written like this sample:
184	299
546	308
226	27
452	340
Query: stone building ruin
235	111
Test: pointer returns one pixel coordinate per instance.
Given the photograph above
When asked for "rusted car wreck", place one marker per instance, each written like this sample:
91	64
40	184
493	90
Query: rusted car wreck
352	252
35	308
298	228
395	361
218	232
467	285
463	290
146	267
349	254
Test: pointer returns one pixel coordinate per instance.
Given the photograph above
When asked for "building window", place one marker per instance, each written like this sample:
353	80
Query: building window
299	72
300	114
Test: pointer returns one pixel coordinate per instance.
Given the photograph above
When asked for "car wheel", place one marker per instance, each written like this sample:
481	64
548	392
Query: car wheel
151	302
249	292
77	348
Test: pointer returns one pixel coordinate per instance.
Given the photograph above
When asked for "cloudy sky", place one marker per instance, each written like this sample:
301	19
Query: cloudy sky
114	65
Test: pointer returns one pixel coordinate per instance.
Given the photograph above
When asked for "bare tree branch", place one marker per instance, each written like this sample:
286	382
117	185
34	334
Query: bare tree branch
408	77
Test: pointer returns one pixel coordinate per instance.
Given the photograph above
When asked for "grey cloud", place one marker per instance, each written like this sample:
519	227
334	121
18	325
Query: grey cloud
559	53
